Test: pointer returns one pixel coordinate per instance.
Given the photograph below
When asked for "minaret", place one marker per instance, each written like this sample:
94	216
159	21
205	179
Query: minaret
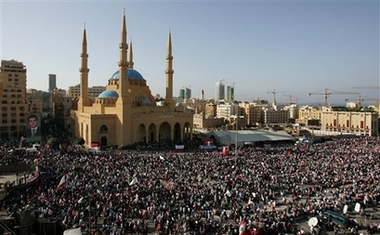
83	98
130	61
123	105
123	63
169	74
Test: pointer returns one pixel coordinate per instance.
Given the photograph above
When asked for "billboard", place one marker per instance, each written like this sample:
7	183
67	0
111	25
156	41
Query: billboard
33	131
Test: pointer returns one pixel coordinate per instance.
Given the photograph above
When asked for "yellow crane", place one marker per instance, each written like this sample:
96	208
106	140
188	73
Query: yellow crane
327	92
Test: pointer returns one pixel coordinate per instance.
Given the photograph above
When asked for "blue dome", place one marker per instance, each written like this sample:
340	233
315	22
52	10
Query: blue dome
146	101
132	74
108	94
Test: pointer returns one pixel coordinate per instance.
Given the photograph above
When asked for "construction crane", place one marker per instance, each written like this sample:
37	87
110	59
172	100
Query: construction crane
327	92
362	99
291	98
366	87
274	92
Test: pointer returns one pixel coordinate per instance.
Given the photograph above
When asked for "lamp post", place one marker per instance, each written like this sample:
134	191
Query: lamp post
236	132
237	123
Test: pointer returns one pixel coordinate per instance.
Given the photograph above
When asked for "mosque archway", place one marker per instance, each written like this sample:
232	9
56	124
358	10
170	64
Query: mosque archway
152	133
177	132
187	131
141	134
103	141
164	132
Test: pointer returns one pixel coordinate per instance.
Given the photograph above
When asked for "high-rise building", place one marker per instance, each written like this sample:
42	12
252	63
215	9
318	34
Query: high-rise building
182	93
187	93
230	94
13	99
219	90
52	82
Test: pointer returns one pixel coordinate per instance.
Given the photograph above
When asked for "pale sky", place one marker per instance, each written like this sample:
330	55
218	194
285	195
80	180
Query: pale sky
293	47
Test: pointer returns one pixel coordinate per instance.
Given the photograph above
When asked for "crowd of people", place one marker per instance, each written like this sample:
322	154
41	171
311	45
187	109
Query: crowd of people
169	192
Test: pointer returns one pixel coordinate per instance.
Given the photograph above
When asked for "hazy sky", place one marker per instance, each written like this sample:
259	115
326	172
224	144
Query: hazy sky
293	47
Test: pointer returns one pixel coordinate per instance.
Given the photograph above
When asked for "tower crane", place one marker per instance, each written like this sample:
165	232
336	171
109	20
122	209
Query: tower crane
291	98
274	92
366	87
327	92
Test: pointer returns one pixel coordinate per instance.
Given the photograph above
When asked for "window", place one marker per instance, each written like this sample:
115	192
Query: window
103	129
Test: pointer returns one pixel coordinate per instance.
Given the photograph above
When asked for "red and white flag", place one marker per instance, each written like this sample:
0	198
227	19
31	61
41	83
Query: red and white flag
62	183
32	177
242	227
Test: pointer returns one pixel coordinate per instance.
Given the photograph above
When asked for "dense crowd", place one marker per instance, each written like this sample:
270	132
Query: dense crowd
202	192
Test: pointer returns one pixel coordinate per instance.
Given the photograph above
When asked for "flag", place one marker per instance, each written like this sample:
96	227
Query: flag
242	226
80	200
99	192
62	183
32	177
228	193
134	181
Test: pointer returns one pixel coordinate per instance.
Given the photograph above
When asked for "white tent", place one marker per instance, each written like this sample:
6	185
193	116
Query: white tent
75	231
243	136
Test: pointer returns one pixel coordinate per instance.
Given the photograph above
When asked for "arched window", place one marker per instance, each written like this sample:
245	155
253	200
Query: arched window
103	129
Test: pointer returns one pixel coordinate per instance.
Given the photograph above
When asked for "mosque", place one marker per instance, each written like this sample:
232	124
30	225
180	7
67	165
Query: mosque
126	112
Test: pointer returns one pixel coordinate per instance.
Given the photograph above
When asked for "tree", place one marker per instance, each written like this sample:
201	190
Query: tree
53	142
80	141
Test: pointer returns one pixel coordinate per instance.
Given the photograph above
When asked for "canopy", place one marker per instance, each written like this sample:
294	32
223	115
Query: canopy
251	136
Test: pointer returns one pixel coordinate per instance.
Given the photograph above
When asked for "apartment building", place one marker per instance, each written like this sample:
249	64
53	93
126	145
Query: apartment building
361	123
14	108
93	92
252	112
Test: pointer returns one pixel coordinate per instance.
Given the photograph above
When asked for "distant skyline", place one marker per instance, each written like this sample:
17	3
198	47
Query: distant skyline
292	47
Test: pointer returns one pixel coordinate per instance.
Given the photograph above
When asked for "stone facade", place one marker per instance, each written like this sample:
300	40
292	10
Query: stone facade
126	112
